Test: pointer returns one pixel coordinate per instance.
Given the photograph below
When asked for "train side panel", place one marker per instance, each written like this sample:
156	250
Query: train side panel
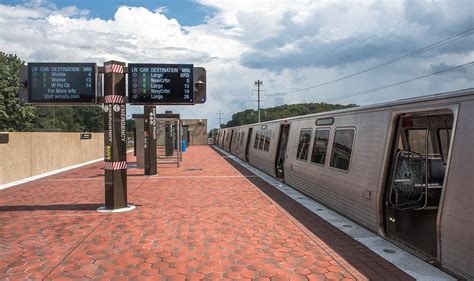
235	137
265	160
352	192
226	142
457	217
241	145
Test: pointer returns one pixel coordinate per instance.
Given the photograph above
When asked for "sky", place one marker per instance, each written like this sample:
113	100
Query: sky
289	45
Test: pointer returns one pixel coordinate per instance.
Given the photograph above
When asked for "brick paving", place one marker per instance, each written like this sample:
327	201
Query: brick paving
204	220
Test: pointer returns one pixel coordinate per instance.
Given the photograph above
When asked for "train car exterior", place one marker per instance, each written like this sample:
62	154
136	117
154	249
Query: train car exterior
401	169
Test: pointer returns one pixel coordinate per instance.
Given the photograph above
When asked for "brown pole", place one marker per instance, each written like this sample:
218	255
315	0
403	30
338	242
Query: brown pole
115	137
150	139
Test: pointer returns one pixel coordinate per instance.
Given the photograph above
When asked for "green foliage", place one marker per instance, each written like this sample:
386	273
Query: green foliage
69	118
89	118
17	116
213	133
250	116
130	125
14	115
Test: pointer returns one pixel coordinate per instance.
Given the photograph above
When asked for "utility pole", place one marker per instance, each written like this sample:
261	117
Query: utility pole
220	118
258	83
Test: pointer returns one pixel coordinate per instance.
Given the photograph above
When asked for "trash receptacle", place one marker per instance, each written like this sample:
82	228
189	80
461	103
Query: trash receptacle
183	145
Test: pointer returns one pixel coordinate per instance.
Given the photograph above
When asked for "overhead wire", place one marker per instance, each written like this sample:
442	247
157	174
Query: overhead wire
440	43
399	83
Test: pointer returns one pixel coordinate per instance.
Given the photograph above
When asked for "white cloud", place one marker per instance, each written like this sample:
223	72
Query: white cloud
287	44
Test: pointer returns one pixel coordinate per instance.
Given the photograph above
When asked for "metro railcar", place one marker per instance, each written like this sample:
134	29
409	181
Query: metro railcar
403	169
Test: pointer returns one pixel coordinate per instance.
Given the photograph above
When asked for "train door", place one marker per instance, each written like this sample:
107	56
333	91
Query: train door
230	140
416	180
223	139
247	146
281	151
237	144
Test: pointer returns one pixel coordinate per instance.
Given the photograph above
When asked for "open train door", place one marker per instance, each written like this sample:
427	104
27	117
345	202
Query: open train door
281	152
416	180
247	146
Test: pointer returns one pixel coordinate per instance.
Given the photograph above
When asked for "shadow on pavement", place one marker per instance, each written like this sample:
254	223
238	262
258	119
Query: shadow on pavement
58	207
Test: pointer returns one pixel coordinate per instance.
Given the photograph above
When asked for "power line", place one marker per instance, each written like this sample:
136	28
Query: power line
445	41
398	83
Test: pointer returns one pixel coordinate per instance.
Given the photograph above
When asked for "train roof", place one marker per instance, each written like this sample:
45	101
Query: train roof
427	98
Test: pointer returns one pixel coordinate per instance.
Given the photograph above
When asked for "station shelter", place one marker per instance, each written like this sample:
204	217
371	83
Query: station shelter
172	133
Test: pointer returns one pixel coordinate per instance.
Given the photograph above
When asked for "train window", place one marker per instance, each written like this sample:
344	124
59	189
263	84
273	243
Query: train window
342	148
400	142
444	136
321	138
417	141
242	138
324	121
268	137
257	138
262	140
303	144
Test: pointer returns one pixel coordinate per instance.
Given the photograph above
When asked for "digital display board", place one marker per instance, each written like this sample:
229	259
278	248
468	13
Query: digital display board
160	83
52	83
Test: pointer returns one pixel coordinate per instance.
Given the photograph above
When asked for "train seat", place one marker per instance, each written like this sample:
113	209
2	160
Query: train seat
437	170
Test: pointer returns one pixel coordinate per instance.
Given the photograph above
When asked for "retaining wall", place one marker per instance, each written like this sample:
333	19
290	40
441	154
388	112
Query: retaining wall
30	154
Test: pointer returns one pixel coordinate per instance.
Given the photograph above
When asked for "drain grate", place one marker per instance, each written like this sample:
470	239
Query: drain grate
390	251
347	225
194	169
319	209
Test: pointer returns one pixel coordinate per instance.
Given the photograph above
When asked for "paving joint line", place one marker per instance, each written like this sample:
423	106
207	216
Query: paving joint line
75	247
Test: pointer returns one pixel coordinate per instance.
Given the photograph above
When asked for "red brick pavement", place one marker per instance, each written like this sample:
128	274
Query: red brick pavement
201	221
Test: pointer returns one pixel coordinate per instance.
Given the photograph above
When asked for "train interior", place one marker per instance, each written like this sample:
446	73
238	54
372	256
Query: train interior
281	152
416	180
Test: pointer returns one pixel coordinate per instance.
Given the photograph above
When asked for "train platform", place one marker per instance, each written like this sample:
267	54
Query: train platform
209	219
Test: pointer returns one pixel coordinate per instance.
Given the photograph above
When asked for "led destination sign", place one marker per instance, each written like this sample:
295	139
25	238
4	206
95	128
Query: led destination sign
61	82
160	83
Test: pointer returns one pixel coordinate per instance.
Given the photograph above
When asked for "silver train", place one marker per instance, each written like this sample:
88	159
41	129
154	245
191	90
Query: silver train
403	169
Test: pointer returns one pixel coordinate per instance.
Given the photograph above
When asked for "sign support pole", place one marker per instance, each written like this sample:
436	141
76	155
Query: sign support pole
150	132
115	138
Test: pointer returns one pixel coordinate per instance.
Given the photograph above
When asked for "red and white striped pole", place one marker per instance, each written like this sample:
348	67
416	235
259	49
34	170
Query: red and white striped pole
115	136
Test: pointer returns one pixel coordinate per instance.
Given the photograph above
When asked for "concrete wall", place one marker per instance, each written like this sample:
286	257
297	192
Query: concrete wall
197	131
30	154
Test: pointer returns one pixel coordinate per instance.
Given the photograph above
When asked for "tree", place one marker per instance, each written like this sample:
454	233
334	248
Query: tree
69	118
213	133
14	115
250	116
17	116
130	124
90	118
